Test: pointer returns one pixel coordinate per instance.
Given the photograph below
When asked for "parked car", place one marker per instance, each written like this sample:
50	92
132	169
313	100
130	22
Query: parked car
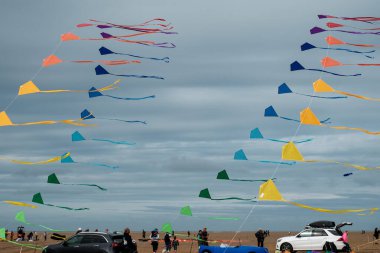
89	242
320	235
232	249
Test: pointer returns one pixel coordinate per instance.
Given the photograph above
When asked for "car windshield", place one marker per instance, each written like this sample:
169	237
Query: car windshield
335	232
74	240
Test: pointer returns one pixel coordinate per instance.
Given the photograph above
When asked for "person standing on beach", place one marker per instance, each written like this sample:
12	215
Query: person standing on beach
205	237
143	234
128	243
345	241
260	238
168	242
199	238
154	237
175	244
45	236
376	234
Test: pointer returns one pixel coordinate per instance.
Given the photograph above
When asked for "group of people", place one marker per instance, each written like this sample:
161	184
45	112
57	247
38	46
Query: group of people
20	236
169	242
202	237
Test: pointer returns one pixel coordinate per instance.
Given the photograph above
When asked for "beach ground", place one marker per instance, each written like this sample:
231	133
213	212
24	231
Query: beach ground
246	238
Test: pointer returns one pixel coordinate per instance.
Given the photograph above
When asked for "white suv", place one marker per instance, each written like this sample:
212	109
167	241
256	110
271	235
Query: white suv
314	238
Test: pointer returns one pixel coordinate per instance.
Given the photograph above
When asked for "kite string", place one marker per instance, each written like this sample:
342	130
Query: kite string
279	164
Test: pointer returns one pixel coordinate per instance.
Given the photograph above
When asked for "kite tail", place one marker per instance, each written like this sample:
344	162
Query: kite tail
313	96
69	208
339	211
165	59
354	32
140	76
249	180
91	185
355	129
235	198
141	98
299	141
289	119
115	142
275	162
128	121
357	96
332	73
52	160
104	165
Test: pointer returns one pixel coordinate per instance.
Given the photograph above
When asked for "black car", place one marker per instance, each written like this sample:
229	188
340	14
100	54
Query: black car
90	242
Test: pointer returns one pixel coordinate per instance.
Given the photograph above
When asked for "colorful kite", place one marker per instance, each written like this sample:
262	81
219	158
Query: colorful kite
256	134
291	153
2	233
297	66
138	27
167	228
330	62
308	46
205	193
334	41
335	25
68	159
53	179
54	60
93	93
106	51
307	117
223	175
360	19
240	156
322	86
17	203
30	88
186	211
37	198
270	112
99	70
20	216
269	192
317	29
6	121
86	115
284	89
51	160
76	136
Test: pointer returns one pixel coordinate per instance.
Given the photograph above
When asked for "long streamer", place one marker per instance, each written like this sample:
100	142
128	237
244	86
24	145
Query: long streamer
269	192
54	60
86	115
322	86
106	51
69	159
18	203
20	216
240	156
297	66
317	29
335	25
271	112
77	136
308	46
93	93
37	198
205	193
360	19
53	179
30	88
256	134
99	70
284	89
51	160
332	41
223	175
328	62
186	211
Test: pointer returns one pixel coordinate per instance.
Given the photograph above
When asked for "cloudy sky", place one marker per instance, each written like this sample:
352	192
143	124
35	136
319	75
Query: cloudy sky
230	58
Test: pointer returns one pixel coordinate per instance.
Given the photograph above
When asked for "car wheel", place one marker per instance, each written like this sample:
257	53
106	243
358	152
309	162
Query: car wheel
286	246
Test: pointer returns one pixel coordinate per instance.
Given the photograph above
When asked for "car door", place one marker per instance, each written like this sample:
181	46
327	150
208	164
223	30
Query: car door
318	239
93	244
71	245
301	241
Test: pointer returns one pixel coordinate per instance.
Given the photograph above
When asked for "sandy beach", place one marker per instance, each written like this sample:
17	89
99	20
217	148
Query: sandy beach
246	238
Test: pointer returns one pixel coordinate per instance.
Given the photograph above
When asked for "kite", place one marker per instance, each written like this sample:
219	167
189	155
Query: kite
335	25
334	41
30	88
106	51
106	36
68	159
93	93
205	193
222	175
307	117
76	136
2	233
322	86
269	192
271	112
51	160
167	227
99	70
291	153
308	46
317	29
240	156
284	89
360	19
54	60
6	121
17	203
85	115
256	134
137	27
37	198
297	66
53	179
348	174
186	211
330	62
20	216
224	218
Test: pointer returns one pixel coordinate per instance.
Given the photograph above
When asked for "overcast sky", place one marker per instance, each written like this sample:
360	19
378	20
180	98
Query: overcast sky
230	58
